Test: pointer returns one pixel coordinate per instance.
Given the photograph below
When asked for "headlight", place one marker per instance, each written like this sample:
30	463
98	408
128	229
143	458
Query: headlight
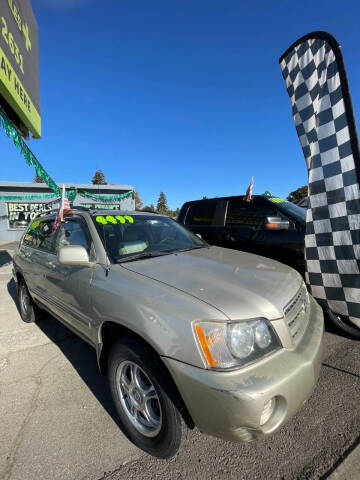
228	345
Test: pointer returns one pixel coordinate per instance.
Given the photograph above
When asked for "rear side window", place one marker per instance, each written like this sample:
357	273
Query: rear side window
40	235
252	213
201	213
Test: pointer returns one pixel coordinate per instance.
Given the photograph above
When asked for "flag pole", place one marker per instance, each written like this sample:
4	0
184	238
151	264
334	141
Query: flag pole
62	203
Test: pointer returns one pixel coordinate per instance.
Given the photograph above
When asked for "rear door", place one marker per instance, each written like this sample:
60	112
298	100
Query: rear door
37	252
206	218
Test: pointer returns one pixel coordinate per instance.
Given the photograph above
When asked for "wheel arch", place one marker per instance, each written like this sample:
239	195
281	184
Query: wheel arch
110	333
19	277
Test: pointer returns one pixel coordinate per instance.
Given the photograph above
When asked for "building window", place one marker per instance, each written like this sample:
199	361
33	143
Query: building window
21	214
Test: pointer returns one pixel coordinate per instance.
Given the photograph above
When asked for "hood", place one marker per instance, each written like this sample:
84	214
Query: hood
239	284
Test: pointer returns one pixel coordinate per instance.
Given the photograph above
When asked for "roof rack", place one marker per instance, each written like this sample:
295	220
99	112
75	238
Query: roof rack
87	209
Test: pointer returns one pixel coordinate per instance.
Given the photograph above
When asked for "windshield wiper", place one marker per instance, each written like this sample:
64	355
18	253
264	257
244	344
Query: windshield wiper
140	256
186	249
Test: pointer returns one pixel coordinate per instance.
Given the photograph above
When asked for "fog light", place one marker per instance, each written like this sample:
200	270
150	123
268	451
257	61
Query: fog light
268	410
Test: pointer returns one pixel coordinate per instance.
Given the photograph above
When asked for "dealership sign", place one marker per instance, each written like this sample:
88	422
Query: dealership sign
20	214
102	206
19	64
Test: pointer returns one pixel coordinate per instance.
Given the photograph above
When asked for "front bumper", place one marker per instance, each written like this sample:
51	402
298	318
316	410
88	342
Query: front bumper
229	404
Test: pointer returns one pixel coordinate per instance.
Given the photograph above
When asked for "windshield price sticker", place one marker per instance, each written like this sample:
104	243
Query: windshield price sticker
277	200
114	219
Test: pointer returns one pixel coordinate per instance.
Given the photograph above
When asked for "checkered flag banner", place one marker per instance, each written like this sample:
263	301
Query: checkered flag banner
316	81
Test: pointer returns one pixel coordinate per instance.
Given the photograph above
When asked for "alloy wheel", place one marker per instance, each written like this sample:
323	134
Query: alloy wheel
139	398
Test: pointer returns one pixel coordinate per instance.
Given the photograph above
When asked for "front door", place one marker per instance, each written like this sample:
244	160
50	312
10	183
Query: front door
69	286
244	226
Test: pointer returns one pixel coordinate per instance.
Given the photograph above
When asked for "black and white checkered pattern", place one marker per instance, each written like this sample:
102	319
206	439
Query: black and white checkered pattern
324	121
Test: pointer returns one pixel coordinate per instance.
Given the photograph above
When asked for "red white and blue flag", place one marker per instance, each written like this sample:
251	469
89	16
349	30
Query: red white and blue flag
249	190
64	207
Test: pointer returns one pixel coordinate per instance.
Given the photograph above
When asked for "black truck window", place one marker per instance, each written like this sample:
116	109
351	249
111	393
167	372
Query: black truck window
201	213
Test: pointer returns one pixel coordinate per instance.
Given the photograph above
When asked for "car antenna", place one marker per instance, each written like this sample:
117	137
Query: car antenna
108	265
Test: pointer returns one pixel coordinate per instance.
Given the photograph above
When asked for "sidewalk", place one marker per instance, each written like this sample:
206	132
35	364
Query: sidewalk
348	469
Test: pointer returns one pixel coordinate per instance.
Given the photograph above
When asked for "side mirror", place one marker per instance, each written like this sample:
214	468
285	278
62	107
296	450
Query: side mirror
276	223
73	255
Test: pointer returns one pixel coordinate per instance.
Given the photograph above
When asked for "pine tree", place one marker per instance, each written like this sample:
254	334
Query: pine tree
99	178
162	204
138	201
37	179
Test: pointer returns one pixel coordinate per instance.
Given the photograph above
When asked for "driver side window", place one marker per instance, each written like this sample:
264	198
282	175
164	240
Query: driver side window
73	233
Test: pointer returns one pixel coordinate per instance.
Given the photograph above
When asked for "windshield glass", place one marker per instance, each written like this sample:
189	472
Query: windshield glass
140	236
290	208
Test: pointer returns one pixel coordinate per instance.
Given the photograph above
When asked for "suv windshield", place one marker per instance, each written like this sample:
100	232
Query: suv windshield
128	237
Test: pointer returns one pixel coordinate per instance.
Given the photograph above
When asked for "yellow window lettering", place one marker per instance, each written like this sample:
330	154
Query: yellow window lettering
115	220
35	224
277	200
101	219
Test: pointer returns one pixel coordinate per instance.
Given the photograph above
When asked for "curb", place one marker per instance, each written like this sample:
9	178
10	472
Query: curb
349	468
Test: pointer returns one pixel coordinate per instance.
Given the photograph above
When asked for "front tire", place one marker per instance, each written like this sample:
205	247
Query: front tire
144	399
343	325
29	312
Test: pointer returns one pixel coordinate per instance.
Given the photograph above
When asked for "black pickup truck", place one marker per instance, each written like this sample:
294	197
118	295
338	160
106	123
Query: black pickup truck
267	226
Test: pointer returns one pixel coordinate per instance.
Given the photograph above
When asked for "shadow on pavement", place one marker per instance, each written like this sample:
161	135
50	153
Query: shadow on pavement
81	355
5	258
12	289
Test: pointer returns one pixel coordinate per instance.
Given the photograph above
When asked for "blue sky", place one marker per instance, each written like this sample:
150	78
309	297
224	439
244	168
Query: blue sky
184	96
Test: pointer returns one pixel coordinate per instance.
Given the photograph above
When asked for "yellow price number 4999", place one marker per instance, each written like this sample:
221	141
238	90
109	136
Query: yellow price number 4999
111	219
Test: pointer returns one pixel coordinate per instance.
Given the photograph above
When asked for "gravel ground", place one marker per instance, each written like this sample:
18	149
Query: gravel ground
310	446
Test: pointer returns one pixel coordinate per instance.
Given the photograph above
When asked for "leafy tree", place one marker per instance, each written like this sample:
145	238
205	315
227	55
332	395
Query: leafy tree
37	179
161	206
138	201
99	178
174	213
149	208
298	194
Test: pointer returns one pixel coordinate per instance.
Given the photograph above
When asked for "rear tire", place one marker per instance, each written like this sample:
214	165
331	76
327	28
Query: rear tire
145	399
343	325
29	312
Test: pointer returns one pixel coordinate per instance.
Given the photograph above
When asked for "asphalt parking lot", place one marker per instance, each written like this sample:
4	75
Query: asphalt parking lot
58	422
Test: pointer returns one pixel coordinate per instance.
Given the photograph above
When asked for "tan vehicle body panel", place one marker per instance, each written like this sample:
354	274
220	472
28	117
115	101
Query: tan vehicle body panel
160	299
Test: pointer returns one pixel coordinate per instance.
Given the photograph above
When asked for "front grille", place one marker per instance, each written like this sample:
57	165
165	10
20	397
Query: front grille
296	314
